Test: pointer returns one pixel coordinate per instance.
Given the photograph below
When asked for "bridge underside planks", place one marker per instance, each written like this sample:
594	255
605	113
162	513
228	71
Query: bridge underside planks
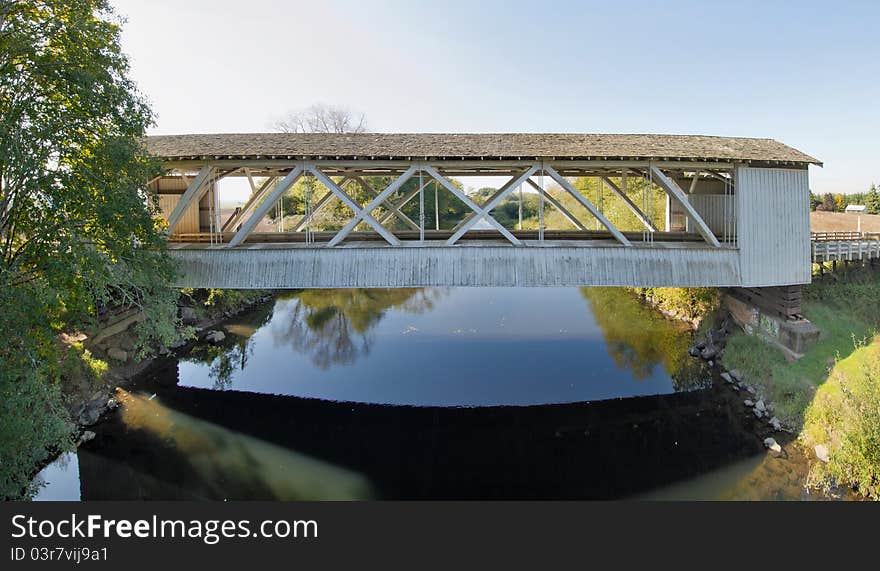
478	265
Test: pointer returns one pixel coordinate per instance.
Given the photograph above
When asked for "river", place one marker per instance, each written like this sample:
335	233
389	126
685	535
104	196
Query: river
432	393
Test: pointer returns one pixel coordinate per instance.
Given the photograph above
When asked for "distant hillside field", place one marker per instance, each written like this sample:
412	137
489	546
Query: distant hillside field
841	222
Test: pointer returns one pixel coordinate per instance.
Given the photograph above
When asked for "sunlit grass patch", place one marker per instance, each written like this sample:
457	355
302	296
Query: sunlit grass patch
845	417
846	313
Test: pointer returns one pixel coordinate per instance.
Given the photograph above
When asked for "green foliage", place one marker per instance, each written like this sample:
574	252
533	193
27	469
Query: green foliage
33	422
845	417
815	201
872	200
219	301
690	303
80	365
639	339
77	226
32	427
828	203
843	311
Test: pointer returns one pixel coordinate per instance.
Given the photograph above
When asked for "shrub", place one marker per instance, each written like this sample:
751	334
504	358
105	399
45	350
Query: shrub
845	417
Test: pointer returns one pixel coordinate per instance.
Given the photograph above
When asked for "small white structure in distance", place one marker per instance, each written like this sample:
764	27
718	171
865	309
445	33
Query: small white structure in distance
856	208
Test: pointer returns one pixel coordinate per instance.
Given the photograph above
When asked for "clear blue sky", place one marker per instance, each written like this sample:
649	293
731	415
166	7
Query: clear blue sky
805	72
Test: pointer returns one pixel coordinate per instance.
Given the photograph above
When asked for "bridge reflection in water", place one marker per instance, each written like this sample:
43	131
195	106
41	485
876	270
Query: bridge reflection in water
213	429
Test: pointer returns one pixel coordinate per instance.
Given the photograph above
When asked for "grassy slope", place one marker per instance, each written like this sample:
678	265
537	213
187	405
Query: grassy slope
845	417
791	386
832	394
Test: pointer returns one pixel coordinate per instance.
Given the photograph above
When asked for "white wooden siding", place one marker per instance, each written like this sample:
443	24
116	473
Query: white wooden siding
190	221
472	265
774	226
717	210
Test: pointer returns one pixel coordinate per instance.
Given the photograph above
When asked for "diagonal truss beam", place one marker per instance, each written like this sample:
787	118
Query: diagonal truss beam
251	202
558	205
587	204
194	192
403	201
393	210
324	200
482	212
363	213
495	199
630	204
264	207
676	193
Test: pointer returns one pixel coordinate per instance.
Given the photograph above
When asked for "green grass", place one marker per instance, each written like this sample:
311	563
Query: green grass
791	386
832	394
845	417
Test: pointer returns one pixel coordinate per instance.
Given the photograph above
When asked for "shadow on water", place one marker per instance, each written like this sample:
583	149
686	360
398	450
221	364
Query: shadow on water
424	393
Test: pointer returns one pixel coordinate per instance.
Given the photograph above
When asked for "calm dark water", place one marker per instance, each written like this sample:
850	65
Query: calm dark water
422	393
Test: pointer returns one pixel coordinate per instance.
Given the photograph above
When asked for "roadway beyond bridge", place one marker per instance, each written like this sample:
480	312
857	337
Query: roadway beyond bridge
732	211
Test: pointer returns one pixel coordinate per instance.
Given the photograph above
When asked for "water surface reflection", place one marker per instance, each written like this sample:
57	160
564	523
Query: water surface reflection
424	393
457	347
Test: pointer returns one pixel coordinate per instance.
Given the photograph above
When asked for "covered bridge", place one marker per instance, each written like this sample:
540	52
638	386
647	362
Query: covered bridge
636	210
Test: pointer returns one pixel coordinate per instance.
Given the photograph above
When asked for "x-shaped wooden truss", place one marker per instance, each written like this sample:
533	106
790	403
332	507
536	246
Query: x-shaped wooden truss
480	212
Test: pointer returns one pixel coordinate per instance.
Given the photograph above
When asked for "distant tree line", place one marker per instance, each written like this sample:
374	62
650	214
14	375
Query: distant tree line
838	202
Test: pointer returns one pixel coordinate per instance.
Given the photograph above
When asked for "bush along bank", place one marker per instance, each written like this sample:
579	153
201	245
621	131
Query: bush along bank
842	424
690	305
93	366
829	397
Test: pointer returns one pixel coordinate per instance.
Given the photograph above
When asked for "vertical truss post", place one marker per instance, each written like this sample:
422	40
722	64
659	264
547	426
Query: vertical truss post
436	206
421	207
557	205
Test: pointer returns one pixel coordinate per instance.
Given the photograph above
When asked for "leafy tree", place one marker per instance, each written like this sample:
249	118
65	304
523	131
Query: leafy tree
77	226
872	200
839	203
828	203
815	201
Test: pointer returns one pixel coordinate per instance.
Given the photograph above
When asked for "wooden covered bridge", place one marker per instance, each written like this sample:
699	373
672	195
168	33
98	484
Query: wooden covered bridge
733	211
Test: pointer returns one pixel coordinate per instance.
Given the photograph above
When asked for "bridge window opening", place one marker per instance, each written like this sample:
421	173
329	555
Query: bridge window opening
511	205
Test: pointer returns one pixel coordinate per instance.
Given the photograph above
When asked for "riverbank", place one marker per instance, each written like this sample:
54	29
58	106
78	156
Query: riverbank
824	402
95	365
827	396
113	357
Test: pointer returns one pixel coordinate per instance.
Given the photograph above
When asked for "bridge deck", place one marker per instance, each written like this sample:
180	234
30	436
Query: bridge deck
464	244
437	237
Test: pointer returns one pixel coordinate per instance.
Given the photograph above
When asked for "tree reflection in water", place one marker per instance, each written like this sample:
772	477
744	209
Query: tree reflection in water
332	326
638	338
232	354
